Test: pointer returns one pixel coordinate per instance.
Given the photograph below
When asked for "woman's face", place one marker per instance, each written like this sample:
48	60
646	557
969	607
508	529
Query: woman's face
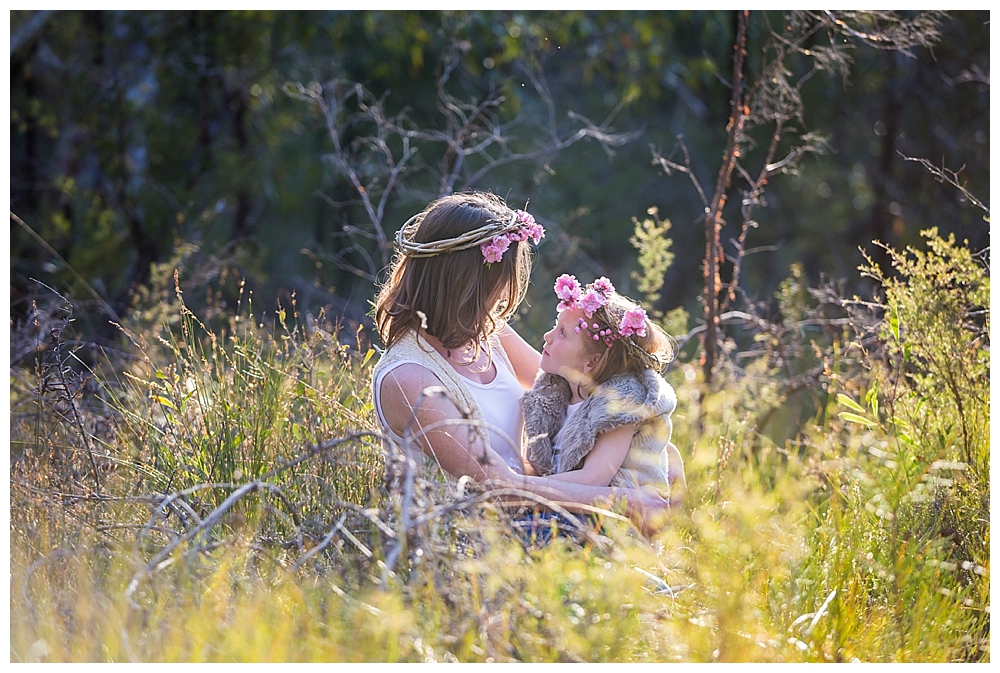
565	352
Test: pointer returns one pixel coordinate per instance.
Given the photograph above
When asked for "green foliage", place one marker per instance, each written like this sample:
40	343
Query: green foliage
911	484
937	325
655	255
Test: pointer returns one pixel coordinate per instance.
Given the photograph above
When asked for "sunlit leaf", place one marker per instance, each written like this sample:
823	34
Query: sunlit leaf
848	402
854	418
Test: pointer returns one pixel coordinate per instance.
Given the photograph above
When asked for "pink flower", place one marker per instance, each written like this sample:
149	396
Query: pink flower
634	322
604	286
591	301
566	305
491	253
567	287
502	242
536	232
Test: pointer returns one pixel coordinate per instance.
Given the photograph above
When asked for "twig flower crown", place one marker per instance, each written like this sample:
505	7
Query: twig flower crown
493	238
589	299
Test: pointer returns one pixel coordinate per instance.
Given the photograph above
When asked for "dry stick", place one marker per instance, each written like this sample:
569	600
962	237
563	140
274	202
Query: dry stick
67	395
381	525
750	198
455	139
600	133
209	521
944	174
527	498
713	222
354	601
330	112
330	115
54	555
669	166
218	512
320	547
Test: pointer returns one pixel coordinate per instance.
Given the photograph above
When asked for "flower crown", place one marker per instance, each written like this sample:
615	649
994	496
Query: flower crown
572	296
493	238
526	228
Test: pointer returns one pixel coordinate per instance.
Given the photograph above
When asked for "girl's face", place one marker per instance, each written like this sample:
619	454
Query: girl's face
565	353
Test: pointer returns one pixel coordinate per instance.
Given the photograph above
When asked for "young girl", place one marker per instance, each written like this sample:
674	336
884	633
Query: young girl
599	412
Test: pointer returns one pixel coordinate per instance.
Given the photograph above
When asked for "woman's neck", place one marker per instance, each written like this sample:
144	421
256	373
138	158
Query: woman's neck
463	358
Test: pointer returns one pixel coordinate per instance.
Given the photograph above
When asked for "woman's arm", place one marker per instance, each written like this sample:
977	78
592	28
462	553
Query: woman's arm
603	461
522	355
434	422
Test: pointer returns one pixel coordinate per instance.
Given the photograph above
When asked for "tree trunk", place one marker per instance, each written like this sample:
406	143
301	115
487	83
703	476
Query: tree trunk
713	219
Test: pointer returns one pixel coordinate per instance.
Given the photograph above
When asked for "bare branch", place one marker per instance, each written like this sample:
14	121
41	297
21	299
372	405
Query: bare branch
889	30
945	174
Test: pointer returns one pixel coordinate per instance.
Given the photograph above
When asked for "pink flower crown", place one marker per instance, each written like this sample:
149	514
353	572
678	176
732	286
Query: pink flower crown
572	296
526	228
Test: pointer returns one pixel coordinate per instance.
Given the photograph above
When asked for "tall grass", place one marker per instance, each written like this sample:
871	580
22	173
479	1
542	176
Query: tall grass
241	509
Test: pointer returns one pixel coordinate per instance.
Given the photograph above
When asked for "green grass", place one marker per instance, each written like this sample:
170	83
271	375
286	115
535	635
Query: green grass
853	525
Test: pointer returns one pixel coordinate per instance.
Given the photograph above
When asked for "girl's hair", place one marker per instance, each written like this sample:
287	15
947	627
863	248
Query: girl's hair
455	296
632	353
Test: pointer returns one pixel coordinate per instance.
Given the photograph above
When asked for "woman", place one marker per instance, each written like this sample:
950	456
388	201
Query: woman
461	270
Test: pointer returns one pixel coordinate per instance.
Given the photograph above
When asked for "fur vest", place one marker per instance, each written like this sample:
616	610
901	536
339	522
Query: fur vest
645	400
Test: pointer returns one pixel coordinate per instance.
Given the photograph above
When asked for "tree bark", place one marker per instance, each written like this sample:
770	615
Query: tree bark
713	219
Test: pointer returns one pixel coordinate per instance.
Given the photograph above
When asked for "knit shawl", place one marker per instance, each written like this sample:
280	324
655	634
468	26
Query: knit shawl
411	348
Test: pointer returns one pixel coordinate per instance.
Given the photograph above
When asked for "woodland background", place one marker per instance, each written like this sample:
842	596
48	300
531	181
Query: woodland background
141	138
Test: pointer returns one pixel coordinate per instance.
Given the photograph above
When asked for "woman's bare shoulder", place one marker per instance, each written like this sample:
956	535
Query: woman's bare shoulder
405	383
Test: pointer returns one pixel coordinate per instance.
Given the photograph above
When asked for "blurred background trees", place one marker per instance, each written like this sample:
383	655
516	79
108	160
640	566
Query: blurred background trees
285	146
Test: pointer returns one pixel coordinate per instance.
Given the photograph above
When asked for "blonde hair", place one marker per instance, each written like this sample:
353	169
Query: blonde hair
631	353
454	296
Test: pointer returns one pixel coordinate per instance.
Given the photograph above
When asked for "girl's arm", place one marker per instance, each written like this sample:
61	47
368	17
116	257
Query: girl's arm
522	355
646	506
434	423
603	461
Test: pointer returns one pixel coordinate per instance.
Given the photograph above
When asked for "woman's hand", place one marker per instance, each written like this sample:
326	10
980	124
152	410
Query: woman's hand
647	508
500	474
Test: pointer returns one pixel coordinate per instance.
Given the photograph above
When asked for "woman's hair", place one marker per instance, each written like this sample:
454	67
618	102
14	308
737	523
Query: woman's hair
455	296
631	353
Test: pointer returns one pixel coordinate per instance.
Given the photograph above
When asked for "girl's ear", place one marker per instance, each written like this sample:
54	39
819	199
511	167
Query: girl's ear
591	362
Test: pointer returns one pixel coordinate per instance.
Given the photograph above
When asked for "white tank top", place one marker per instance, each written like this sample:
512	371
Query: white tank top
499	401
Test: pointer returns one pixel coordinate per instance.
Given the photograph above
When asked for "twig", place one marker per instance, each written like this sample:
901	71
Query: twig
320	547
52	251
945	174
